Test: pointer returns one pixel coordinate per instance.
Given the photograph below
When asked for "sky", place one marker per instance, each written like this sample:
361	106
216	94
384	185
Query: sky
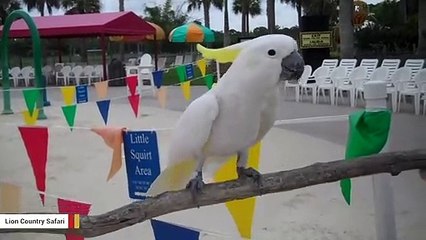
286	16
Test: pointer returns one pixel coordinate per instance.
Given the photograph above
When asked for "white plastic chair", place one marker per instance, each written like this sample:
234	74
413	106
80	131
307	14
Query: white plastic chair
392	87
27	74
178	61
355	79
99	72
413	88
145	70
321	72
330	63
161	63
88	73
63	74
379	74
303	79
349	64
330	83
415	65
15	75
76	73
187	59
370	65
392	65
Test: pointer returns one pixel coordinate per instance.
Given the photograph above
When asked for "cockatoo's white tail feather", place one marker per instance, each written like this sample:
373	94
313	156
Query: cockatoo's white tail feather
175	177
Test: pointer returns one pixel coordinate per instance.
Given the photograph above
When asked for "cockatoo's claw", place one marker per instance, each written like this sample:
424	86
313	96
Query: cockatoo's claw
249	173
195	185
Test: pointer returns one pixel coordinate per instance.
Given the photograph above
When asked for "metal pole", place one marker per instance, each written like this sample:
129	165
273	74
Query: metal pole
375	96
103	46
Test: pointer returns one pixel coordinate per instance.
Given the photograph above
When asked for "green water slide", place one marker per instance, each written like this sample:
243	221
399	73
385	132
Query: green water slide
39	78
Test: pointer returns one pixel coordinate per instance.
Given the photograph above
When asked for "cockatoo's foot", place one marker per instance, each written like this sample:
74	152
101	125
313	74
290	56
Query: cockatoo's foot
195	185
249	173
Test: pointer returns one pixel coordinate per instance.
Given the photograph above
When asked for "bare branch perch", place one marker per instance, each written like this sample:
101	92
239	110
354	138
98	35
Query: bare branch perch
318	173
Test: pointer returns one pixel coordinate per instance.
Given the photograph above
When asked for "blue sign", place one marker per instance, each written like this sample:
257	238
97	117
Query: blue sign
82	95
142	161
189	71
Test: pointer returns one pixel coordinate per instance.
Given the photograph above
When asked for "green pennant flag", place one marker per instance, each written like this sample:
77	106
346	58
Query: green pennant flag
181	71
31	97
69	112
209	80
368	134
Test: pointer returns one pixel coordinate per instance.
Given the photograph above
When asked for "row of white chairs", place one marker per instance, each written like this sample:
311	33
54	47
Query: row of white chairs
408	80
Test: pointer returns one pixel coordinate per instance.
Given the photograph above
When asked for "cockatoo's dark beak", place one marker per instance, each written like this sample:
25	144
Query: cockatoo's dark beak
292	67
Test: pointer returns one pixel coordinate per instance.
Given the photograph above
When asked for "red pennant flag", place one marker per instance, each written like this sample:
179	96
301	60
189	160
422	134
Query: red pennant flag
134	102
73	207
36	141
132	83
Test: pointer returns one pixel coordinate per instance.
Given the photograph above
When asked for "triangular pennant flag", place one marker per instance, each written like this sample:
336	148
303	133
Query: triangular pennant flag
103	106
209	81
68	94
167	231
36	141
101	89
134	103
368	134
10	198
82	94
31	97
202	66
30	120
189	70
158	77
132	83
69	113
162	97
113	138
73	207
242	211
186	89
181	71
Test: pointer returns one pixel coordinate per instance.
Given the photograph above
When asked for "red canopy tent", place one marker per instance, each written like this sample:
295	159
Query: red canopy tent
85	25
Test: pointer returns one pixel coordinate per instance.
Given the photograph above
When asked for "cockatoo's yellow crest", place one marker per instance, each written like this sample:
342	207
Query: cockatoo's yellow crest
222	55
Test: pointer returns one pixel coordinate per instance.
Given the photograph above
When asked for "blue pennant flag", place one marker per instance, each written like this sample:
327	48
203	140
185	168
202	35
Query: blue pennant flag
189	71
142	161
158	78
167	231
82	94
103	106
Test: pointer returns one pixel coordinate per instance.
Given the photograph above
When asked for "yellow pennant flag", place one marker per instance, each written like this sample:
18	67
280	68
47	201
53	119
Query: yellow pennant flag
10	198
186	89
68	93
242	211
30	119
162	96
202	66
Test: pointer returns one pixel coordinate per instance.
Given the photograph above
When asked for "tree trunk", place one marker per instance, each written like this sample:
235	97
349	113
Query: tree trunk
421	49
243	23
206	9
247	23
299	13
226	37
346	29
270	13
121	44
403	10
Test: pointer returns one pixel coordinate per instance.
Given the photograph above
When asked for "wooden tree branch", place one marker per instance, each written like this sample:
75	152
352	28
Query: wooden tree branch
318	173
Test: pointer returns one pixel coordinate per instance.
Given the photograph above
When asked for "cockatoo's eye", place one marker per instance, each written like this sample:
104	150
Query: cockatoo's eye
271	52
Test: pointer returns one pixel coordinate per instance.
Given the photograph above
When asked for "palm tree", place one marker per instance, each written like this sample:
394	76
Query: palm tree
346	28
226	35
246	8
40	5
196	5
421	49
81	6
6	7
270	14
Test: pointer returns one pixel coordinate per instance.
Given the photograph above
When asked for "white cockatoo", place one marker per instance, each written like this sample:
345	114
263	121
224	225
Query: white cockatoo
232	116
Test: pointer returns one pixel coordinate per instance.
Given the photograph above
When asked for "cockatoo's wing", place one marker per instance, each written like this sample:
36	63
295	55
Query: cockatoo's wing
187	143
